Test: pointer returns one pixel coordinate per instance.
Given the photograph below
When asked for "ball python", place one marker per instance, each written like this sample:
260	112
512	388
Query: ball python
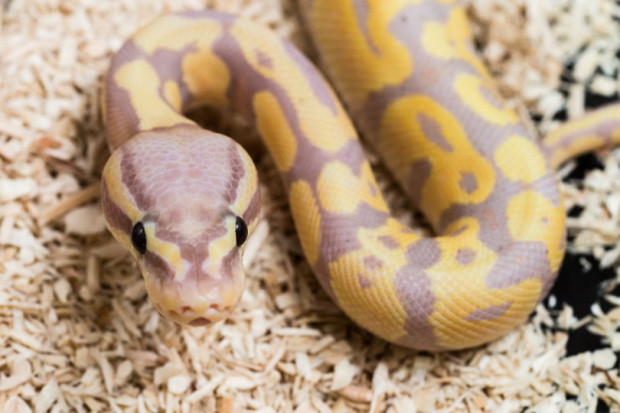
183	199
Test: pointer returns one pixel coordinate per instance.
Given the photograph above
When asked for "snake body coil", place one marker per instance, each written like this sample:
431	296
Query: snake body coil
180	197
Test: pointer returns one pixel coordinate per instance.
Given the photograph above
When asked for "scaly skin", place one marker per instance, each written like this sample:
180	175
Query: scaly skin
410	77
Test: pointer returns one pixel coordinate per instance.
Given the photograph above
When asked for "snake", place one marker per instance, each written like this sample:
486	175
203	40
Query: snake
406	76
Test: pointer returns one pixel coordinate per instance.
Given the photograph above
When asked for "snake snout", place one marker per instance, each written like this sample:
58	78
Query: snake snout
198	299
197	312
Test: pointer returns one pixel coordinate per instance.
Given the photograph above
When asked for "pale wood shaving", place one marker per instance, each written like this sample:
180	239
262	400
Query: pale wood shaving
21	372
69	203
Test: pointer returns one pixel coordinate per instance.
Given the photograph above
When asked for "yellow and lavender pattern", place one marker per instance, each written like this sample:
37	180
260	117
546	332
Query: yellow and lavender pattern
181	198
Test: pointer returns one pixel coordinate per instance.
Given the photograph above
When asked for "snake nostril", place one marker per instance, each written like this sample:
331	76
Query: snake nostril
186	308
200	321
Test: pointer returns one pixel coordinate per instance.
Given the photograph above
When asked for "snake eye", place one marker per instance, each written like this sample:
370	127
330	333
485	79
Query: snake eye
138	238
241	231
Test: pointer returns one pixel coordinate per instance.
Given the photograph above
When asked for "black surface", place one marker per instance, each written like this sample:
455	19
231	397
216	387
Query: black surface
580	289
578	286
582	341
601	406
575	211
594	101
585	164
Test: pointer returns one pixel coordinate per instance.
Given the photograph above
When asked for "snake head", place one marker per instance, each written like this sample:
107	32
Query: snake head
183	200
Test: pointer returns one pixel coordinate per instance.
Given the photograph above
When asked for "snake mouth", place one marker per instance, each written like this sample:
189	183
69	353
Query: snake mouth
200	322
196	316
195	303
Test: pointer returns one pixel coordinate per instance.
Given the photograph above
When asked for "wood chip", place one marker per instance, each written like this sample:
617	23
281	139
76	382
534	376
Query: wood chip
47	397
86	220
380	381
605	359
603	85
69	203
179	384
358	394
586	64
21	372
344	372
107	372
12	189
16	404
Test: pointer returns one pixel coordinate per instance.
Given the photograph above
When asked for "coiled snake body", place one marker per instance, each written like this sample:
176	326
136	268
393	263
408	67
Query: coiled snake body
182	199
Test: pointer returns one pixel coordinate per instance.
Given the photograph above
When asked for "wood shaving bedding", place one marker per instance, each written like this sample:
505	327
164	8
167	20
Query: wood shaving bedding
77	332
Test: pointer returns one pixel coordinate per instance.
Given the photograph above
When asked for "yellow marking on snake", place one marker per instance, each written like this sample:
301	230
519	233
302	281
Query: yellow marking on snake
403	137
533	208
169	251
453	330
209	86
391	53
143	98
381	291
307	217
450	41
362	189
119	193
247	187
275	129
513	168
218	249
173	94
581	145
469	88
455	301
317	121
586	123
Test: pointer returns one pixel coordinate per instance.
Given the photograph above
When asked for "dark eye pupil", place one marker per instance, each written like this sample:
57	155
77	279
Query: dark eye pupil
138	238
241	231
